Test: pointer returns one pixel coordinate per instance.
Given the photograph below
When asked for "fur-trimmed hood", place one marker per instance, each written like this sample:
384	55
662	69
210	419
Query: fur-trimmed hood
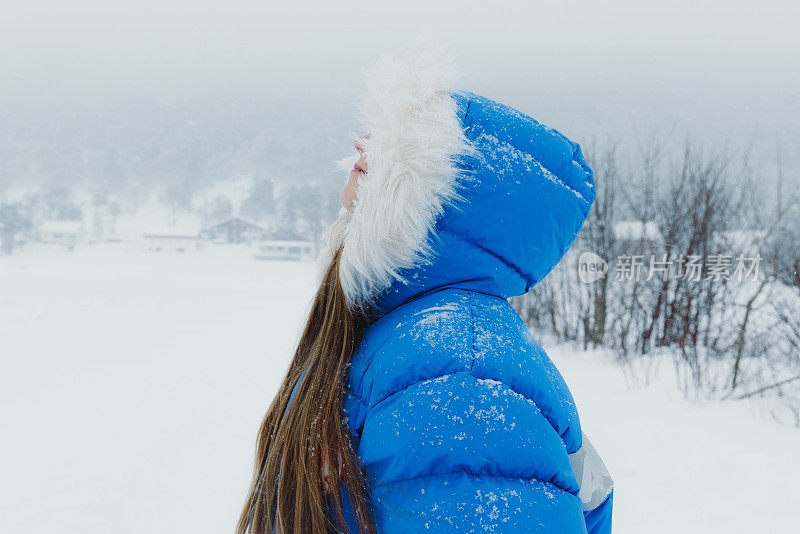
461	191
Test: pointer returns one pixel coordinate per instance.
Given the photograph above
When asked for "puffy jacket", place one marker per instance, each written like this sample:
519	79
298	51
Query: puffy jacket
462	422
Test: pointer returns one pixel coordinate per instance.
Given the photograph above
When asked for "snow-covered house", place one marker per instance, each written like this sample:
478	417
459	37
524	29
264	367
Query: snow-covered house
65	233
286	250
741	242
637	237
235	230
166	242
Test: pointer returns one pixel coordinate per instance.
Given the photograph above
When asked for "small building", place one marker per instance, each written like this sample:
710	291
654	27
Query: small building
64	233
741	242
286	250
637	237
171	242
236	230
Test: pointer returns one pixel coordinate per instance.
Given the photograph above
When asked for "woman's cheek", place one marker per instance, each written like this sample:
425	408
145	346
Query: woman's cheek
349	192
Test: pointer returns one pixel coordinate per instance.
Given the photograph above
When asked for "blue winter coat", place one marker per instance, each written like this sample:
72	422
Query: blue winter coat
462	422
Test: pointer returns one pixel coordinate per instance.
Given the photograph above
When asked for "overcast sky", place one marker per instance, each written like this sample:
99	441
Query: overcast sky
147	45
714	69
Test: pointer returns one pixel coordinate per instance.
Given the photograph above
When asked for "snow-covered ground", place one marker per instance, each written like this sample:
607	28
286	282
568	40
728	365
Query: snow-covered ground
133	385
680	467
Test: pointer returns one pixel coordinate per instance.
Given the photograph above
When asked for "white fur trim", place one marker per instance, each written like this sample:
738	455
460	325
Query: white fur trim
415	138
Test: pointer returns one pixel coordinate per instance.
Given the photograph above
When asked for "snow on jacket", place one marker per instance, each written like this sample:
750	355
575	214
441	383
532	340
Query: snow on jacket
462	422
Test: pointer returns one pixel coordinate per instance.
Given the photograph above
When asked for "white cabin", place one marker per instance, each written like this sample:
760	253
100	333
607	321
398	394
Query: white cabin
65	233
637	236
286	250
171	242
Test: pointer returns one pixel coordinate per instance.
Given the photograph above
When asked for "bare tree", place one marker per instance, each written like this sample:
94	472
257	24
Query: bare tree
697	215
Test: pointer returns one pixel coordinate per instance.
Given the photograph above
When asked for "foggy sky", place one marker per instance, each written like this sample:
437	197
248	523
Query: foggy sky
724	72
148	45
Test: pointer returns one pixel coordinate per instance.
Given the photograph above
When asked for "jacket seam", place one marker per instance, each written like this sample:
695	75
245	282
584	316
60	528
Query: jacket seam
472	331
474	474
511	265
454	373
412	384
469	373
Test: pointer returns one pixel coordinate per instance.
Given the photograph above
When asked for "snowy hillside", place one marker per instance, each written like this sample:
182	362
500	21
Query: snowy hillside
134	384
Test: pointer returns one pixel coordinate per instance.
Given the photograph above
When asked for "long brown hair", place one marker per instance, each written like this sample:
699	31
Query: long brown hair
304	443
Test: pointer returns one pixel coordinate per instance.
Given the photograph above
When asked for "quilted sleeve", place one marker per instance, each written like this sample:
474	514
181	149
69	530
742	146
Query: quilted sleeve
457	453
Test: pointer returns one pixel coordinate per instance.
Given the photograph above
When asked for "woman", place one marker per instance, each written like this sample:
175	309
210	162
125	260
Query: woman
417	399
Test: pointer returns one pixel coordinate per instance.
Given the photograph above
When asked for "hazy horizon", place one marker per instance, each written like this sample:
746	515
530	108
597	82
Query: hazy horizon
170	90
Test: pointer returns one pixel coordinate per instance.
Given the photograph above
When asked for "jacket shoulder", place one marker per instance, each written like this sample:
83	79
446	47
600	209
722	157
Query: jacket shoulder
504	350
453	332
428	337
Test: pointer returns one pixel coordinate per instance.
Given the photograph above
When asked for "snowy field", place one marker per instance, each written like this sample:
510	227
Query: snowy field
133	384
